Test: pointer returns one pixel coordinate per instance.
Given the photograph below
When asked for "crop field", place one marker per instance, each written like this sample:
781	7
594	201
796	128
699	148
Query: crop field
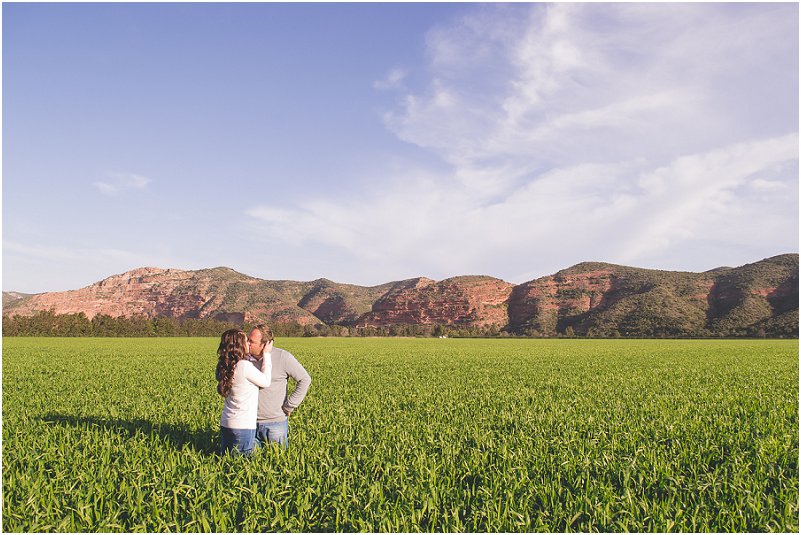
408	435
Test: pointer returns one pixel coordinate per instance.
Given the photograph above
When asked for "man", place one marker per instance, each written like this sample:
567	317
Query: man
275	406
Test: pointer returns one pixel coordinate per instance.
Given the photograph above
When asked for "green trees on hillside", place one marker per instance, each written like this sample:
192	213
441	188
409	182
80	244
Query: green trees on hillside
47	323
630	325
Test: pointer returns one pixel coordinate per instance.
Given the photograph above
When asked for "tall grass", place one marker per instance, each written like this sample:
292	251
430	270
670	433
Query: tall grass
408	435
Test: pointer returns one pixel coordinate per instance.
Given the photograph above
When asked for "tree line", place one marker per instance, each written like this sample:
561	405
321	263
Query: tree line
48	323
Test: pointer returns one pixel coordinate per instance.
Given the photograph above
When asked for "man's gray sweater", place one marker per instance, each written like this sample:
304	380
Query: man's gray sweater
274	398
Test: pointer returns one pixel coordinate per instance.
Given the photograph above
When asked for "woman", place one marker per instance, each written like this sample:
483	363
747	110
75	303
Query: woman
238	381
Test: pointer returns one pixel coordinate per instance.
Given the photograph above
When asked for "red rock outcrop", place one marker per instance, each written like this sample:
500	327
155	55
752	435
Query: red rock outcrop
145	291
591	294
589	298
579	292
472	300
219	293
340	304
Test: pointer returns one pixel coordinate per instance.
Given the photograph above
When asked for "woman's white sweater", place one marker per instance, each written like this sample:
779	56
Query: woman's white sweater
242	402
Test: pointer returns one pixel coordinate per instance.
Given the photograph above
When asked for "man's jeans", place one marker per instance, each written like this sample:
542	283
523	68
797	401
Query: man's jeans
273	432
237	441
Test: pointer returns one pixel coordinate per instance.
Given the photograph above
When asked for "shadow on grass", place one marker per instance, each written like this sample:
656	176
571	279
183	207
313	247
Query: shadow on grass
205	441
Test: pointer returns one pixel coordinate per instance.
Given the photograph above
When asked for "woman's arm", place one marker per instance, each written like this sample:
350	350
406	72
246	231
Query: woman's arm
260	378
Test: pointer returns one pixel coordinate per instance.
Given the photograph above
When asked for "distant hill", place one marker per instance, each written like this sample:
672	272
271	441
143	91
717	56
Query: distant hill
604	299
10	297
219	293
590	298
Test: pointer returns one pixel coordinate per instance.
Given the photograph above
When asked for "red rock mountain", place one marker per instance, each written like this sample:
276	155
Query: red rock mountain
476	300
589	298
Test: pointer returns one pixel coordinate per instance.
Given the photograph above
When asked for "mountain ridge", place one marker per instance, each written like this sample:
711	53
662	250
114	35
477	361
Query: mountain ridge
588	298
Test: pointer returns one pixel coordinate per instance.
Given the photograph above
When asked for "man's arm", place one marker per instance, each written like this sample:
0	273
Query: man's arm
295	370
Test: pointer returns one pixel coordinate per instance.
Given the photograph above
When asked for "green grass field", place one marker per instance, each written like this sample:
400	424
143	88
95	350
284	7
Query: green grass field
408	435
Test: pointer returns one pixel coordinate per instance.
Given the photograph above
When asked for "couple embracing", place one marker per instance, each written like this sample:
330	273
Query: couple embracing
252	377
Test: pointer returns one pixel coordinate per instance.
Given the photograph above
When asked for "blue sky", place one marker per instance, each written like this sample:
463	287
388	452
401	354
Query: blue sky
367	143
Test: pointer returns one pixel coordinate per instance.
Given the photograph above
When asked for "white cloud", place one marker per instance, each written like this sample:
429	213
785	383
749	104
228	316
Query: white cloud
619	132
697	195
617	212
613	81
118	183
58	254
761	184
393	80
33	263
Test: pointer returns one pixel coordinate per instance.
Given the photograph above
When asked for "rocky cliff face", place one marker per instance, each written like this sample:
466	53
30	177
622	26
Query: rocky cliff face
602	298
606	299
589	298
477	301
10	297
340	304
218	293
537	305
145	291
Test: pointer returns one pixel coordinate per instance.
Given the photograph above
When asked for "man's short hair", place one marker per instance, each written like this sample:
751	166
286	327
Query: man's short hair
266	333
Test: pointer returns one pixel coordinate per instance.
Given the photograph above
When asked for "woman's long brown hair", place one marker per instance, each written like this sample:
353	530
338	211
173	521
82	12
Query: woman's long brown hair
232	350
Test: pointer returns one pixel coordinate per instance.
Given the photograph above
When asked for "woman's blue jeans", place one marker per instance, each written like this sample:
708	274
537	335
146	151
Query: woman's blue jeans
237	441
